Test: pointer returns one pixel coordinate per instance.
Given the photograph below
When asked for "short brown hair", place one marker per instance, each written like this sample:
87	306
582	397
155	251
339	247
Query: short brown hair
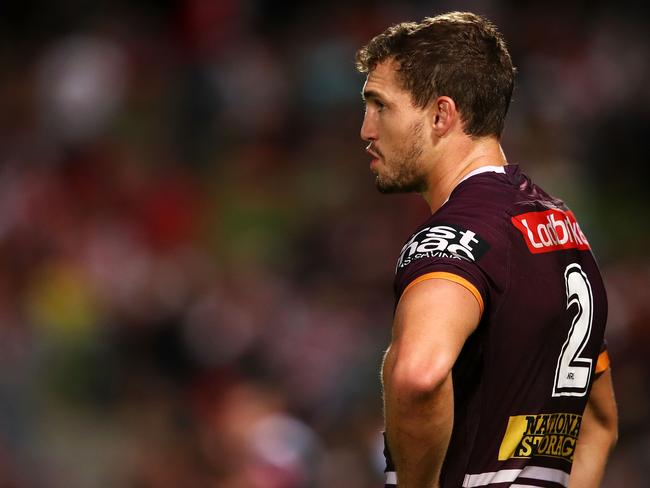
459	54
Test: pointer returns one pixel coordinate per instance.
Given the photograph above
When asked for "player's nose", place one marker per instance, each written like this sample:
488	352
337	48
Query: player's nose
368	129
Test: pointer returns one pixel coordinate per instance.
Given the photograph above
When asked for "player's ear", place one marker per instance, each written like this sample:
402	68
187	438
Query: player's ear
443	115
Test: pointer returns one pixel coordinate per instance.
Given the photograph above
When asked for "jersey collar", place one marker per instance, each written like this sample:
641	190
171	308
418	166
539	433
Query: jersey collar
484	169
478	171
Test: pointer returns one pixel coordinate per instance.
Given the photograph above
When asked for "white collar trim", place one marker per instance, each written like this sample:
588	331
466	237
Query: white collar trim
478	171
484	169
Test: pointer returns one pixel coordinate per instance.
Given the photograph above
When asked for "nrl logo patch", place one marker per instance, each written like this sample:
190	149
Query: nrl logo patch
444	241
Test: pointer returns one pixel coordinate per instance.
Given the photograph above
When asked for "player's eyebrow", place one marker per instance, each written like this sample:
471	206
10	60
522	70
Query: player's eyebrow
369	95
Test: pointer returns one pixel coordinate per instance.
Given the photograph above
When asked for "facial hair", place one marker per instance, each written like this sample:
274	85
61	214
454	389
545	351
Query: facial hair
405	169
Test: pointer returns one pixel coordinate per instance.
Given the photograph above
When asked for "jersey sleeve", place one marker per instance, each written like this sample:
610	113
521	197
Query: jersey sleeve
603	363
456	278
468	247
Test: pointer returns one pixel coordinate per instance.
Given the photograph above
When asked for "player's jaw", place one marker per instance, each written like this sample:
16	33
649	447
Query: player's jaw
399	171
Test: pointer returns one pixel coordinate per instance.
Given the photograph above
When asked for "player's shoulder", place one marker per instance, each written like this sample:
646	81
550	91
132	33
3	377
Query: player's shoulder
482	201
484	212
494	196
479	220
466	237
471	222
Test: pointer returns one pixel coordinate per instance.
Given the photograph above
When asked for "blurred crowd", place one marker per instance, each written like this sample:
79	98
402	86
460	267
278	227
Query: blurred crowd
196	267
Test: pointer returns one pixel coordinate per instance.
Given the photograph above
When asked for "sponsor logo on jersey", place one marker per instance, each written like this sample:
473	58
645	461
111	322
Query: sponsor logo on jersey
550	230
548	434
442	241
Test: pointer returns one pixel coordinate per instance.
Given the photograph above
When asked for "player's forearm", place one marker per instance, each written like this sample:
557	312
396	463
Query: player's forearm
418	427
598	435
595	442
590	458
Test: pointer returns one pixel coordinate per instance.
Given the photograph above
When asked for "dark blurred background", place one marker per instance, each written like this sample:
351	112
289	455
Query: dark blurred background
195	284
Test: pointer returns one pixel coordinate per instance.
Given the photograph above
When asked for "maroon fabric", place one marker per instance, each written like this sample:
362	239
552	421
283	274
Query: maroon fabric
525	253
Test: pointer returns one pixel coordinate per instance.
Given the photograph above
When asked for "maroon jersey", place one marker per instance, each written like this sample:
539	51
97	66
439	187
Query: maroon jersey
522	379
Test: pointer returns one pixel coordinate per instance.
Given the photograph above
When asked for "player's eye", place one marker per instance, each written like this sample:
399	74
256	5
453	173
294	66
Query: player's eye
375	103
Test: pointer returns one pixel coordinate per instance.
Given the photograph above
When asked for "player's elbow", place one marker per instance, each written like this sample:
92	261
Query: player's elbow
414	380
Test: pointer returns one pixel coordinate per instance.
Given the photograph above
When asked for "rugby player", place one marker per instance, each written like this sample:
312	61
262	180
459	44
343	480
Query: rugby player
497	373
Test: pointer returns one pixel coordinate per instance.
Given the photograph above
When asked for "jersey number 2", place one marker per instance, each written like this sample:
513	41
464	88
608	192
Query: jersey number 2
573	372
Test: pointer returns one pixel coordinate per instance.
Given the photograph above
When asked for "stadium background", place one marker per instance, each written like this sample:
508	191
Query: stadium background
196	267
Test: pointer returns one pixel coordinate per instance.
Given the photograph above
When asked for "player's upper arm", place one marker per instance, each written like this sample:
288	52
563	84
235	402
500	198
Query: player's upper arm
432	321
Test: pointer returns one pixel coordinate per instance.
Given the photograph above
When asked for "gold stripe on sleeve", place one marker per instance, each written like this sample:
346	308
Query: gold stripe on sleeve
603	362
449	277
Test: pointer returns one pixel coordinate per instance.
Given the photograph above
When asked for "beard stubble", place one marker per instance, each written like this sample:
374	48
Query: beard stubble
406	172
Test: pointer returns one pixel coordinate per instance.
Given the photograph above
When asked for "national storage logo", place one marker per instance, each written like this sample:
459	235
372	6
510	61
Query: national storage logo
549	434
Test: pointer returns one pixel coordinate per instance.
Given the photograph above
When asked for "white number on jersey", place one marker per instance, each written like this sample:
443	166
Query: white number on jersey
573	372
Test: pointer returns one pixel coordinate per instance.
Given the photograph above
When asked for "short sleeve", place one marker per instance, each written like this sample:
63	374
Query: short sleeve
603	363
462	249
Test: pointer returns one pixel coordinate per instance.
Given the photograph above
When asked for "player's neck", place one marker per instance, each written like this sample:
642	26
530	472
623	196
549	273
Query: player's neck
456	163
